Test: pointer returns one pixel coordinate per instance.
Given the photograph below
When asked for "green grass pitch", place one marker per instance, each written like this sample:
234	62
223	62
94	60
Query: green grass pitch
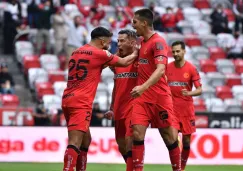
107	167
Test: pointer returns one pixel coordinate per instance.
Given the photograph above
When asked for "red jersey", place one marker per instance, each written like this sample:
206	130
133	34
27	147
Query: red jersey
125	80
153	51
182	78
85	66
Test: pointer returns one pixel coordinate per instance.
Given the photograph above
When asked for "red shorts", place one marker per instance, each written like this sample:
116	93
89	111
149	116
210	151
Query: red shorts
158	115
123	128
185	117
77	119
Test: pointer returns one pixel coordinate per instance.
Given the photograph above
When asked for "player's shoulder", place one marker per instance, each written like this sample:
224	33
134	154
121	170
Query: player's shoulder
171	64
190	65
158	41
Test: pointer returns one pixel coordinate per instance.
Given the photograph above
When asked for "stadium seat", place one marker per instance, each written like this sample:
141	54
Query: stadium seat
10	100
207	65
238	92
192	14
137	3
59	87
185	3
103	2
230	15
201	4
208	92
217	53
56	76
68	8
225	66
233	79
200	52
23	48
206	13
225	3
42	89
185	27
192	40
52	102
223	92
232	105
110	12
168	3
30	61
215	105
172	37
102	89
225	40
199	105
107	75
238	66
204	79
216	79
160	10
62	60
36	75
209	40
49	62
205	28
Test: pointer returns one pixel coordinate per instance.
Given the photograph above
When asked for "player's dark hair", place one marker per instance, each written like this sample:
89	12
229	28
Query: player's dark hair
146	14
183	45
130	33
100	32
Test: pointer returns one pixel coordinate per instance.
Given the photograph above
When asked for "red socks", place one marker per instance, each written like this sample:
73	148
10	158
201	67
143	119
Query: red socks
82	160
129	161
138	155
175	156
184	157
70	158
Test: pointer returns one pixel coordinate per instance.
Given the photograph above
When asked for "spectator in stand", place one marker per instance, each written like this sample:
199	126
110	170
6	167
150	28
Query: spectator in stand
12	19
41	117
43	23
6	80
238	10
219	21
157	18
97	115
60	33
169	20
236	49
76	34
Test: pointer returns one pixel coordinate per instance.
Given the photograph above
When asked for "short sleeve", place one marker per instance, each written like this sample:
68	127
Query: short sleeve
160	51
108	58
196	77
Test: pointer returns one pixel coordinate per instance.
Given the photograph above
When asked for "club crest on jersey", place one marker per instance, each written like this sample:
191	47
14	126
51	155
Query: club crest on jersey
160	58
107	53
159	46
186	75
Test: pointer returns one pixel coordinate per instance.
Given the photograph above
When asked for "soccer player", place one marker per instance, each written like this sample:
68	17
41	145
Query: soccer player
182	75
85	66
153	101
125	80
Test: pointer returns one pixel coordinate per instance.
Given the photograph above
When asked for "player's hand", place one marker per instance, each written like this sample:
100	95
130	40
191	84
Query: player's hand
185	92
137	91
109	115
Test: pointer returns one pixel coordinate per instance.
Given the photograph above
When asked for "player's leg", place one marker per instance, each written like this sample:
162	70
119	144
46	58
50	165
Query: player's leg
82	158
129	142
186	140
120	131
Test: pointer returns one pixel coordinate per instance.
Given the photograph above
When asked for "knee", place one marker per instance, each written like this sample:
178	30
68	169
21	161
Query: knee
137	135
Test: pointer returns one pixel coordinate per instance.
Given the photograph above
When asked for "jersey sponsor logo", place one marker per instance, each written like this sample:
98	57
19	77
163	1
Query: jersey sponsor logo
175	83
107	53
68	95
186	75
127	75
143	61
87	52
159	46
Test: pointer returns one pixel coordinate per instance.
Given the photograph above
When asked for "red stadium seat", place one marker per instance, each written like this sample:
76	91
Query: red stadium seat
230	15
192	40
10	100
232	79
56	76
224	92
135	3
103	2
43	89
216	53
199	105
179	15
208	65
201	4
238	66
62	60
31	61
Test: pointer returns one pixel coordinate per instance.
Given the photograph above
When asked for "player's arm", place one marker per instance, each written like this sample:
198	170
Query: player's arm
126	61
109	114
153	79
196	92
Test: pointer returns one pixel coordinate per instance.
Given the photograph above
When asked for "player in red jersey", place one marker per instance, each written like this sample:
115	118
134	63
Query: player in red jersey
182	75
153	101
85	66
125	80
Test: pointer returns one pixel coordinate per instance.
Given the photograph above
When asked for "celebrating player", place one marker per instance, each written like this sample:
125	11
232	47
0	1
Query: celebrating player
181	77
153	101
125	80
85	66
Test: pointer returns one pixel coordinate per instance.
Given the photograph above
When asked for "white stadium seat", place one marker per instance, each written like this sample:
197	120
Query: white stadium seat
200	52
206	13
168	3
49	62
185	26
23	48
237	91
52	102
172	37
185	3
215	105
216	79
205	28
37	75
208	92
225	40
209	40
232	105
192	14
225	66
59	87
